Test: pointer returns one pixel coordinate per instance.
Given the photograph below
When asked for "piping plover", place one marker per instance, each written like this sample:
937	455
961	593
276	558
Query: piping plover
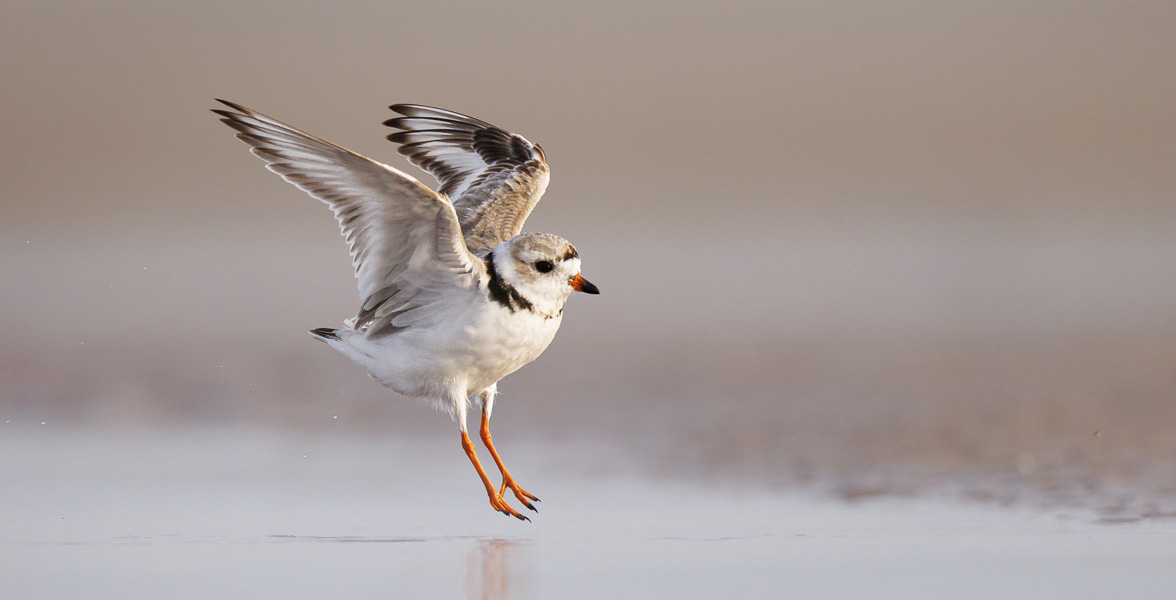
454	297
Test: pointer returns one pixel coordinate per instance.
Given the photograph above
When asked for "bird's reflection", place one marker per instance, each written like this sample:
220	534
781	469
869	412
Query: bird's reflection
493	569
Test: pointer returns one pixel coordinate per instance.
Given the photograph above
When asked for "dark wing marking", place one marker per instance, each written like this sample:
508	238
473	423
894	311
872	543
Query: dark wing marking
493	177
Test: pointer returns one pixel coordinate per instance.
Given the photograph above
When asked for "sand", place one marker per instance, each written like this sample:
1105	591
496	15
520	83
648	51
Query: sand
249	513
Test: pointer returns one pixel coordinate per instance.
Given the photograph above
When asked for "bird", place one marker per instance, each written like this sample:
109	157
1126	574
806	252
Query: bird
453	295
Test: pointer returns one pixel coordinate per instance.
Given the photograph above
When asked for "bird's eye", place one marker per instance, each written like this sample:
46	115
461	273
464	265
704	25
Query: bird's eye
544	266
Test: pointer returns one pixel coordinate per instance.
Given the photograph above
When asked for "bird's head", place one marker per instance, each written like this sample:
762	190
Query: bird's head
543	268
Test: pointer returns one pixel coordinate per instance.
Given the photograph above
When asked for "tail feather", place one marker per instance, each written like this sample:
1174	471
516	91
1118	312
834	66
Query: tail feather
325	334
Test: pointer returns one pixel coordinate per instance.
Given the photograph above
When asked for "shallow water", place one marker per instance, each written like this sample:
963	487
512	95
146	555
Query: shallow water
243	513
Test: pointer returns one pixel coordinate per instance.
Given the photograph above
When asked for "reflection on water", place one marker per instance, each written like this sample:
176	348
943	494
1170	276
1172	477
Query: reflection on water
492	569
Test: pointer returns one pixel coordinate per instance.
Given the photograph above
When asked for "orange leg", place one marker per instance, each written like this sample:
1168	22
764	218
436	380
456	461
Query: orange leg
507	480
496	500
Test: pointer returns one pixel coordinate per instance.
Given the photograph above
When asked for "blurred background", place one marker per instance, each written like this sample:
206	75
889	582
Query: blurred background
879	248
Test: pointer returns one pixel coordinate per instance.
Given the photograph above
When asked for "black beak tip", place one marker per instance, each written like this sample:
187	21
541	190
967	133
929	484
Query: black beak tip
590	288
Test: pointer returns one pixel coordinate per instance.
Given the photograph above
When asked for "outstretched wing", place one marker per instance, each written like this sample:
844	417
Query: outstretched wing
406	244
493	177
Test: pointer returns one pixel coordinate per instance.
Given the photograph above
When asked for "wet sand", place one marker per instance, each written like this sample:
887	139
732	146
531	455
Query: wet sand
248	513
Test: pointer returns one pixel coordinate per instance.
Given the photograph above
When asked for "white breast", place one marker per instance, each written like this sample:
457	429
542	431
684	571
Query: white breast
502	342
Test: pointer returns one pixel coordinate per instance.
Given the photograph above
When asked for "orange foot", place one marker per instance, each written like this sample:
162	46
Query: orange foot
500	505
520	493
496	501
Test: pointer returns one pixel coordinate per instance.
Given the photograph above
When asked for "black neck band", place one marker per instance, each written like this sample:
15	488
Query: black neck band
503	292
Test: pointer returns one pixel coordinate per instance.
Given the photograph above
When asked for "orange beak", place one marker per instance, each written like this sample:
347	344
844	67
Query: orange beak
583	285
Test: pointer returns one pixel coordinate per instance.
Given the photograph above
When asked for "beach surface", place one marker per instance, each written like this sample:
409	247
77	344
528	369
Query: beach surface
235	514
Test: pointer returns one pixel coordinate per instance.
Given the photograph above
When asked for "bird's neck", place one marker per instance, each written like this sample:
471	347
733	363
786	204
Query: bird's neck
499	273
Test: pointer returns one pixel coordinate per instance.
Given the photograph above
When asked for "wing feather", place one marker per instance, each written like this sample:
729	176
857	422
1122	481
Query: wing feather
493	177
405	239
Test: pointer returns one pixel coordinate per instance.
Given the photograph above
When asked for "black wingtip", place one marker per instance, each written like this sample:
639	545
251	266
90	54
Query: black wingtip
228	116
232	105
400	137
324	334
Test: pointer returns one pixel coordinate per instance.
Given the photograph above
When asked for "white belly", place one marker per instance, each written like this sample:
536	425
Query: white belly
478	348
